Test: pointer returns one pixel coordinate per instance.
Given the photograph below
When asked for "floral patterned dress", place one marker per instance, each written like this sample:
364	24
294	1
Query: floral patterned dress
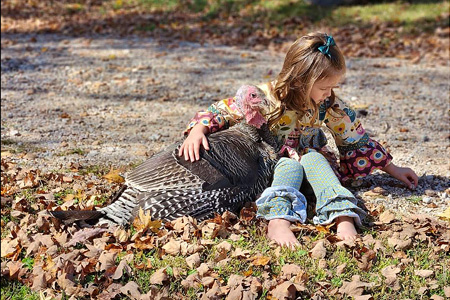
359	155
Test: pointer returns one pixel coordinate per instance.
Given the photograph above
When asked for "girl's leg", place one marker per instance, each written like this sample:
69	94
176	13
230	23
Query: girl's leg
334	202
283	203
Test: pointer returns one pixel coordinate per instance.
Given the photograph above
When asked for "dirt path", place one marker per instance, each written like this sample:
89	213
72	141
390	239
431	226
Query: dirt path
108	101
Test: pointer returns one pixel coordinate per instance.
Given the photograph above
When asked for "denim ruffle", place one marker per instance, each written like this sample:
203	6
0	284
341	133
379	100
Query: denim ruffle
282	202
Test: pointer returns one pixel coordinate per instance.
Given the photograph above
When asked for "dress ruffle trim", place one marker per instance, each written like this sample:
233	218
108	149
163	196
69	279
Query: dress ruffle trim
339	202
295	212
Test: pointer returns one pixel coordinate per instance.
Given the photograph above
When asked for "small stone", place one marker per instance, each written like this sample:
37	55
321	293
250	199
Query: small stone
14	133
427	199
430	193
155	137
425	138
30	156
380	190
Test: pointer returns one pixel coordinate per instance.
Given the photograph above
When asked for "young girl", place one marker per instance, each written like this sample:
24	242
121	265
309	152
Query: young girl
302	100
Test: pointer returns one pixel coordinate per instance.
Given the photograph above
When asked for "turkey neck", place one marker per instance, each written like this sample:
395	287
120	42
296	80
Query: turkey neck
261	134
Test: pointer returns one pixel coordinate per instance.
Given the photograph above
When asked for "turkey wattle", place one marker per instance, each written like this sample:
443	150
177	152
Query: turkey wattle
238	166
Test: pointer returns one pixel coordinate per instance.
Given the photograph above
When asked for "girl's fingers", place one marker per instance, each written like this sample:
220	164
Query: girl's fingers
191	153
181	151
186	153
415	179
205	143
408	181
197	151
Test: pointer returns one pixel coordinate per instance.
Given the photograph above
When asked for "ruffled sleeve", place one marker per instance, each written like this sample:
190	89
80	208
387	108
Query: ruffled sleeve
220	115
359	155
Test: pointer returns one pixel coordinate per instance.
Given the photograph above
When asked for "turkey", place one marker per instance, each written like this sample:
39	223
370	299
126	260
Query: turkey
238	166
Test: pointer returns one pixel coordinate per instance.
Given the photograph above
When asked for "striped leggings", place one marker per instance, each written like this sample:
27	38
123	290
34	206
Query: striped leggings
284	200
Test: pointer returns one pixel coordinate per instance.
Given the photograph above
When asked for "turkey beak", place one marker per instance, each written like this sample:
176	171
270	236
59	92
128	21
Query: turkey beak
263	106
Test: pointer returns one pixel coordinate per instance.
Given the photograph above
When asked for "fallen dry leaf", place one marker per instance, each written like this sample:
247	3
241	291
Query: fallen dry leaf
355	287
9	248
203	269
107	260
387	217
390	272
192	281
259	260
159	277
172	247
193	261
445	215
340	269
424	273
447	291
114	176
366	261
121	235
319	250
131	289
83	235
123	266
290	270
286	290
400	244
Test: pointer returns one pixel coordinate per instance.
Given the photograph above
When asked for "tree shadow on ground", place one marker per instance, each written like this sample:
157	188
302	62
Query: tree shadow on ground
229	22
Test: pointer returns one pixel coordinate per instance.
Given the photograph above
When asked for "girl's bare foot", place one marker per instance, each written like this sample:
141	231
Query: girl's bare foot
345	228
279	231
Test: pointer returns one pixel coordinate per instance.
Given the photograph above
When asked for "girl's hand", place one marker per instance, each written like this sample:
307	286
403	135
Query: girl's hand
191	145
406	175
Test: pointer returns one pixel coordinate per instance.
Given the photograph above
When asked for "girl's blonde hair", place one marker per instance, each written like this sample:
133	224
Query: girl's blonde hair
305	64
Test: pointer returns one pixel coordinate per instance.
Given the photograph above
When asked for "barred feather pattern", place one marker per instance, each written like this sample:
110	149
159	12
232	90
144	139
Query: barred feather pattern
235	170
238	167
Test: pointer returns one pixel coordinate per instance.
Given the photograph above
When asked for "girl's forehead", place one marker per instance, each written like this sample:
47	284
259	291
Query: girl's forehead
329	81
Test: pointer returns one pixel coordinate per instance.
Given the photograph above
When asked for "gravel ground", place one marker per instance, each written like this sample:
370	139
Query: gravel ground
114	102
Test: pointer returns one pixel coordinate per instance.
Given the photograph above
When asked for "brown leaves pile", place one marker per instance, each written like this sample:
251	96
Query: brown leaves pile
102	263
241	28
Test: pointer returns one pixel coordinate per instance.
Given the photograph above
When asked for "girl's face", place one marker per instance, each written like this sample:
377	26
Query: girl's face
321	89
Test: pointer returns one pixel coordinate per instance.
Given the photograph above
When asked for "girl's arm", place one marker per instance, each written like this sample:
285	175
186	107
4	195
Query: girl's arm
359	154
406	175
191	145
220	115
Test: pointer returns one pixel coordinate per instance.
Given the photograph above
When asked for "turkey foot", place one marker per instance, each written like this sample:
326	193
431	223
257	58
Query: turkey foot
279	231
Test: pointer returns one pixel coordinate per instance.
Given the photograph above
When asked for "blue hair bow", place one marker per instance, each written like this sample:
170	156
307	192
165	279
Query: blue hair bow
325	49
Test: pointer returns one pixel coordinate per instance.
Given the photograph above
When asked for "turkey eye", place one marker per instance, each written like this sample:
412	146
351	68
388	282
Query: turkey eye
253	95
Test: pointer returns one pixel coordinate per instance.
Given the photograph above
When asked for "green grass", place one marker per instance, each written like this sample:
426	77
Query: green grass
255	243
415	199
78	151
13	290
94	169
59	196
411	15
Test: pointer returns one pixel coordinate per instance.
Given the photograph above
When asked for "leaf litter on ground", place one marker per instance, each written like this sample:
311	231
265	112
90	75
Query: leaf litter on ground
227	256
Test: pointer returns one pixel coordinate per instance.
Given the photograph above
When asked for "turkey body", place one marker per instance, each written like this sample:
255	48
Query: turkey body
238	166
